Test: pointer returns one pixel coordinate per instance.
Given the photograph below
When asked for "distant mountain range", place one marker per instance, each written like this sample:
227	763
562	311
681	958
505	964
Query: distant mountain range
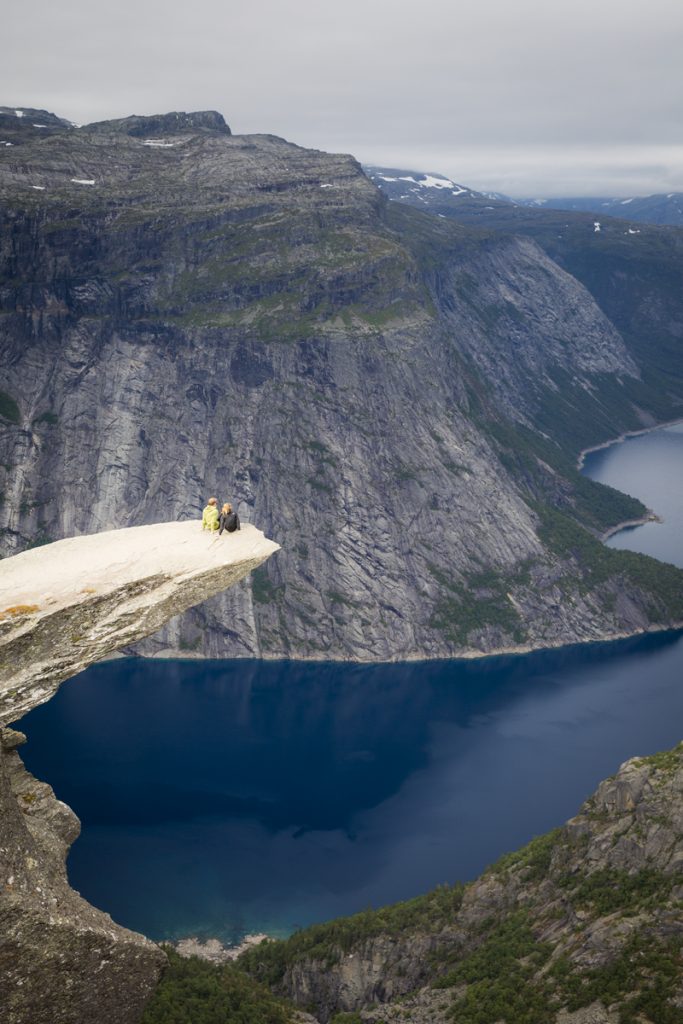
658	209
432	192
440	195
401	184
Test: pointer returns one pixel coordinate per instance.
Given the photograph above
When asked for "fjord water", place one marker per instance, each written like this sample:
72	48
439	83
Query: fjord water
650	467
219	798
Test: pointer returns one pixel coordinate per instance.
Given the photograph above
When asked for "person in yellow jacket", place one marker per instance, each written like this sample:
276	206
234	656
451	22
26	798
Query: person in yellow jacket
210	515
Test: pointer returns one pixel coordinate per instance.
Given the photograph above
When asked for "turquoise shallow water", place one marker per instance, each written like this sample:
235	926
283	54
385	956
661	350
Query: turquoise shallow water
219	798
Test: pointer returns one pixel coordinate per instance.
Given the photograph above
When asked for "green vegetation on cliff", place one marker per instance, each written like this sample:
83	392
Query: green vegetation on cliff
480	602
641	982
193	991
550	928
601	564
9	409
588	913
511	979
549	473
609	890
535	857
327	943
499	975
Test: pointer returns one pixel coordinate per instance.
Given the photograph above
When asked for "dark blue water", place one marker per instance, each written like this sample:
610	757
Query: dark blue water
219	798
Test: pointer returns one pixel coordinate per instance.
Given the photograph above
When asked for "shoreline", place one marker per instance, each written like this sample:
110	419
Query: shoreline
213	950
168	654
623	437
414	657
650	515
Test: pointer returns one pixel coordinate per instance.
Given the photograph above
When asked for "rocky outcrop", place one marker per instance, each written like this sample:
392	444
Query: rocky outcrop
68	604
61	607
166	124
395	395
583	925
24	124
61	960
380	971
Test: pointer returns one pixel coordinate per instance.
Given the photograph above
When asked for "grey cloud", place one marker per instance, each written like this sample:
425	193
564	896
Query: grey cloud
502	95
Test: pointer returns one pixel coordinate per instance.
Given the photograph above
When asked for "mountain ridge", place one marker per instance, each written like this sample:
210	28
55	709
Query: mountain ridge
420	187
660	208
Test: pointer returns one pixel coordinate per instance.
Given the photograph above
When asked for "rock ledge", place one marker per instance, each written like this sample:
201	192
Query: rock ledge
67	604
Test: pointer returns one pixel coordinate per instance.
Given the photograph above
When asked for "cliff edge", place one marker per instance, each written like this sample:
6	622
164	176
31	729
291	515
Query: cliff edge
63	606
68	604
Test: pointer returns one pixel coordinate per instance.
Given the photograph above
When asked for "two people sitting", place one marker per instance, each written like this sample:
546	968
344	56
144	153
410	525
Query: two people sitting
227	520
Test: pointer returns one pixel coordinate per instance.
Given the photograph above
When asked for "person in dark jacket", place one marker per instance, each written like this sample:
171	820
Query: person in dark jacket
228	520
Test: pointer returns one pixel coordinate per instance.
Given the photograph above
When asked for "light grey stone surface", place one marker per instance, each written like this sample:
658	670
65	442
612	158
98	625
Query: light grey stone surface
67	604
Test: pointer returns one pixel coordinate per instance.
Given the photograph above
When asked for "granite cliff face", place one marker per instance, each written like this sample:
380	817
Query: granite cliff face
62	607
582	926
397	399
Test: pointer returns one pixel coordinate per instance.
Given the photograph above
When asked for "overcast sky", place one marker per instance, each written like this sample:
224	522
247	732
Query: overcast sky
528	97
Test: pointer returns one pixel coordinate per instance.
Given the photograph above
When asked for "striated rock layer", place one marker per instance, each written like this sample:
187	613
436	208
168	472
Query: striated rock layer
63	606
